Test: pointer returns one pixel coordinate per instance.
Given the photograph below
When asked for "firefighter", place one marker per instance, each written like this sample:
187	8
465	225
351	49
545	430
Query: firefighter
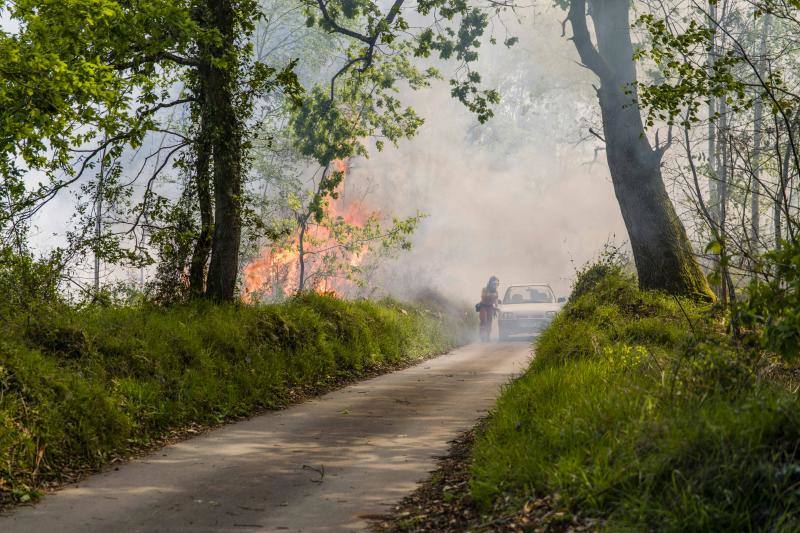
488	307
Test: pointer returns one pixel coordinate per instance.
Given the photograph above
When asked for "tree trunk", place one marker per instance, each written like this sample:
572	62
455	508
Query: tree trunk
202	248
722	200
301	256
661	249
98	222
780	194
758	121
217	84
712	111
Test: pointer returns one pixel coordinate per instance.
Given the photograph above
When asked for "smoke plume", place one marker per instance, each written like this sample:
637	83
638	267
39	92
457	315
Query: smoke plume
525	197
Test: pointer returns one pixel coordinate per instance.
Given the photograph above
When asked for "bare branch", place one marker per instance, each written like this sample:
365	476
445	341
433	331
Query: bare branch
591	130
323	7
589	55
155	58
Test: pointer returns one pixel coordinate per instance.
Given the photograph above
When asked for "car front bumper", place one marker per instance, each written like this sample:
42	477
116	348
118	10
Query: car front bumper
518	326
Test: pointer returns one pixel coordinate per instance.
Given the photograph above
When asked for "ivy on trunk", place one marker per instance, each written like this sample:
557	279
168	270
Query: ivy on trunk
225	130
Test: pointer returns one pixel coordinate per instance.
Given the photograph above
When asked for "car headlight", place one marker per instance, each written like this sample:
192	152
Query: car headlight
550	314
507	316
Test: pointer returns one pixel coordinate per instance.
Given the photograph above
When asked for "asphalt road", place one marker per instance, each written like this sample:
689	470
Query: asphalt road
325	465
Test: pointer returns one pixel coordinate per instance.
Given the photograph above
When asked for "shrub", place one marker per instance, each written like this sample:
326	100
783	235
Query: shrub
26	281
611	261
770	311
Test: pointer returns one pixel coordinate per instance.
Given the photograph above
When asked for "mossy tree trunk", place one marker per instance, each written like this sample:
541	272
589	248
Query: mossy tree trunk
661	249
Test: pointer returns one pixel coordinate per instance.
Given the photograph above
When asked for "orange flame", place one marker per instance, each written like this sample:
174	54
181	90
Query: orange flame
340	165
275	273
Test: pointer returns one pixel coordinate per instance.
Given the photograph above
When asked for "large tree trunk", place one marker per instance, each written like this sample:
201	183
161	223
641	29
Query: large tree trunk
225	129
661	249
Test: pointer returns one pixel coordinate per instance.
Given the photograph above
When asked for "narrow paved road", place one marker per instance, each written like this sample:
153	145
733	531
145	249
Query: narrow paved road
373	441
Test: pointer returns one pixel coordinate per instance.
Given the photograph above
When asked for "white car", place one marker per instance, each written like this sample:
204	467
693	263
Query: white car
527	309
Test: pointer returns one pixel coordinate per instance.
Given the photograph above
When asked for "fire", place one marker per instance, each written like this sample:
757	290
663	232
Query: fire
340	165
275	273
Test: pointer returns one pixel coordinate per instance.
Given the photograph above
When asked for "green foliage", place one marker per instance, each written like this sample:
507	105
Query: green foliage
332	125
611	261
382	39
78	387
691	69
27	282
770	313
52	83
684	85
75	64
174	243
638	410
84	80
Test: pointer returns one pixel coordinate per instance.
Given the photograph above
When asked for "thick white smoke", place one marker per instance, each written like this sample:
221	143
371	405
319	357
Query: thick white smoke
520	197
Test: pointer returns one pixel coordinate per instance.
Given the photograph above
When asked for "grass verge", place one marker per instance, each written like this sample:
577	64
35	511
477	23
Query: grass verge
79	388
640	413
444	503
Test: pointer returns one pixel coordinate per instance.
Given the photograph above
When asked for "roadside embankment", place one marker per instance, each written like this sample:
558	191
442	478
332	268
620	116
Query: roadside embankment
82	388
640	412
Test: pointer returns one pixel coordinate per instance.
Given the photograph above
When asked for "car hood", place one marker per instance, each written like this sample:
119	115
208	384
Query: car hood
529	308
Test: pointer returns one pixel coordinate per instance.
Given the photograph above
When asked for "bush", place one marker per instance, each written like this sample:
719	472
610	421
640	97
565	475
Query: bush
639	411
78	387
770	311
611	261
26	281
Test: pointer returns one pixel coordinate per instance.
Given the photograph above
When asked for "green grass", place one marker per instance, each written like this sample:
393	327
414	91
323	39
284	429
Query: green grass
78	387
634	416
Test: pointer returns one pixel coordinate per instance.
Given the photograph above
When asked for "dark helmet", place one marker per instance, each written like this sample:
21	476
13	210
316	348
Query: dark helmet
494	281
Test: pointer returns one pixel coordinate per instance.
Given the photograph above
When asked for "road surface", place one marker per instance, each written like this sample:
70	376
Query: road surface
325	465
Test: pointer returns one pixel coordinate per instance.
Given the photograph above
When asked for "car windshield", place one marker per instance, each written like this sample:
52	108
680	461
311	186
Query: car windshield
528	294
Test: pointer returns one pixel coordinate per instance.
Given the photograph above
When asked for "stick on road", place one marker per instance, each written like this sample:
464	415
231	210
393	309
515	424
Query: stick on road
324	465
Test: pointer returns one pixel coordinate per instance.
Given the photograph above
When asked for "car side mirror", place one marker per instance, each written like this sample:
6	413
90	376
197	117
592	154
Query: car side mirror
561	300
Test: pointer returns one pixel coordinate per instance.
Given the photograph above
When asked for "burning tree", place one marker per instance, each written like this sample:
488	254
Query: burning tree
332	245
